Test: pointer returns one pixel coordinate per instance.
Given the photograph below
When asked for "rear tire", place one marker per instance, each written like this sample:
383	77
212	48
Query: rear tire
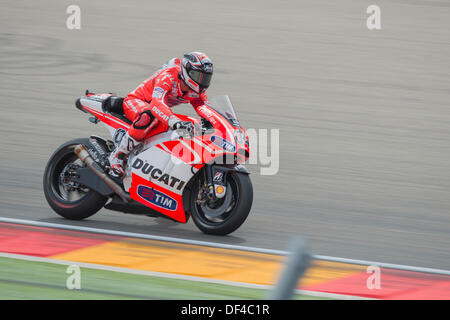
78	204
232	217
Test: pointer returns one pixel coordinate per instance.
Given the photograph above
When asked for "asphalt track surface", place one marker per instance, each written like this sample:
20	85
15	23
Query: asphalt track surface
363	115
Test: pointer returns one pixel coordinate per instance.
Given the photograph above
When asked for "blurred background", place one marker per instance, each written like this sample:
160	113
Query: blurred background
363	114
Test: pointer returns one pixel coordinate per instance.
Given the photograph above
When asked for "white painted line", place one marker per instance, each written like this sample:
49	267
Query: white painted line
175	276
221	245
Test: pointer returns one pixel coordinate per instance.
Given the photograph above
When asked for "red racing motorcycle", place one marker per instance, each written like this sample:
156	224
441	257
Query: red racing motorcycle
169	175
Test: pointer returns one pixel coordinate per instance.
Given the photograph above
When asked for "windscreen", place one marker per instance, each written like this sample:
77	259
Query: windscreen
223	105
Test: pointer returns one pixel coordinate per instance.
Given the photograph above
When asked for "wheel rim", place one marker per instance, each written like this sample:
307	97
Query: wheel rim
62	186
221	210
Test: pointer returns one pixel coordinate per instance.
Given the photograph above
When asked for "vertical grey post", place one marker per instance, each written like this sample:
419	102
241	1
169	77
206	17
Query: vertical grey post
295	267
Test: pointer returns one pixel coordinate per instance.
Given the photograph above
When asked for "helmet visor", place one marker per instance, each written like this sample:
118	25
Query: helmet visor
201	78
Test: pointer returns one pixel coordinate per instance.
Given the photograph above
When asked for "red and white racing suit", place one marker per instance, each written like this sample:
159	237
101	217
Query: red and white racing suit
153	99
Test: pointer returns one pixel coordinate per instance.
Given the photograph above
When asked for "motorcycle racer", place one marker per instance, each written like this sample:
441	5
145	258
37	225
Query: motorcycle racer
149	105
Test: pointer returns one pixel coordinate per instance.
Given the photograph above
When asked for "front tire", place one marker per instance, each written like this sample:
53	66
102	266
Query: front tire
224	221
69	200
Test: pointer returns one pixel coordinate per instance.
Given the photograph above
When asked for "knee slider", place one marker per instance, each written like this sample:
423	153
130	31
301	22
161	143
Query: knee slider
144	120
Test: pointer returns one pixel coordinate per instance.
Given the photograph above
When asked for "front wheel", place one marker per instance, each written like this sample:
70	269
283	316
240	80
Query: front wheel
223	216
69	199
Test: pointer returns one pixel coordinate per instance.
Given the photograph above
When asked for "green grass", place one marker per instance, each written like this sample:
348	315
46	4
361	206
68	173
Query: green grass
22	279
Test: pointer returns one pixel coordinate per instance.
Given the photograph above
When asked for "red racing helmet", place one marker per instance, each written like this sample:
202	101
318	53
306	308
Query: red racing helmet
196	71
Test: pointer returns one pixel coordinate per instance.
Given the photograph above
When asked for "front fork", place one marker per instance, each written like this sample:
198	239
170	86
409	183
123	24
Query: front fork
216	181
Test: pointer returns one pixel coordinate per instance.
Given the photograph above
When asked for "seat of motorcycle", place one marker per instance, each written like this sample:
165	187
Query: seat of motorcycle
114	106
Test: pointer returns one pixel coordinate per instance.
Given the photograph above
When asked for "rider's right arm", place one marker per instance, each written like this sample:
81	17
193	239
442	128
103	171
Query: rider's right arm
158	104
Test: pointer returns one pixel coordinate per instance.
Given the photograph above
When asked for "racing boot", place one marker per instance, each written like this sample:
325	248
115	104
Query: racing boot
118	156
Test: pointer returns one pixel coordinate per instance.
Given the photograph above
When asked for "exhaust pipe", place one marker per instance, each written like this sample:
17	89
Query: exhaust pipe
84	156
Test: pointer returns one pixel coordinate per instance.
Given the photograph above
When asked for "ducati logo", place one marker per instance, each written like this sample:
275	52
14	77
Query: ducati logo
160	113
158	174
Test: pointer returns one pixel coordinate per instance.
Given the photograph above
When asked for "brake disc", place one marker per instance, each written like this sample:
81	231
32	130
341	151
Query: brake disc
221	209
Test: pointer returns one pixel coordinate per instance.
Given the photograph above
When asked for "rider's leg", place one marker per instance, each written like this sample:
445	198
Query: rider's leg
136	110
117	157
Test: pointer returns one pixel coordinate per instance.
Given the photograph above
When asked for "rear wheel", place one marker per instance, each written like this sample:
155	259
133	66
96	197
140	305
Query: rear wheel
223	216
67	198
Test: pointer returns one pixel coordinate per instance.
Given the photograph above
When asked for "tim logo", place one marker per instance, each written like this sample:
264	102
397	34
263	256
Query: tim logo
224	144
157	198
